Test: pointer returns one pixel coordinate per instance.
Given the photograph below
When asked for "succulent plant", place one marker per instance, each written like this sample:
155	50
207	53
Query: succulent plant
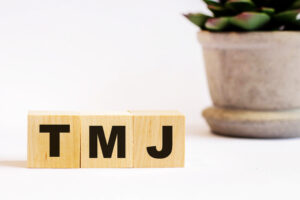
249	15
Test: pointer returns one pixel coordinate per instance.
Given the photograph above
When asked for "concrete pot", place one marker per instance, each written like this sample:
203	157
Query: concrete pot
257	72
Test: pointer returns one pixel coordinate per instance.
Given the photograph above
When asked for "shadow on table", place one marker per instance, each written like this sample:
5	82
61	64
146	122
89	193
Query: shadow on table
13	163
199	130
202	130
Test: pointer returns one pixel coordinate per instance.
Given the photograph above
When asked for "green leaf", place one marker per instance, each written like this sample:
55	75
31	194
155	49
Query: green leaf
240	5
276	4
197	19
290	17
218	10
295	5
250	20
267	10
212	2
217	24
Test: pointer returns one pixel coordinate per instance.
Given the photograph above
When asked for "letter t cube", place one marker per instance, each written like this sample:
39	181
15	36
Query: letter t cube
53	140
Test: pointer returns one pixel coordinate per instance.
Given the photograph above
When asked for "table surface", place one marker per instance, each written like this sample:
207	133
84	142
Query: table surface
216	167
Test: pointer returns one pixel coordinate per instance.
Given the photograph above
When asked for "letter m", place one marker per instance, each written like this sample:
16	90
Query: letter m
117	133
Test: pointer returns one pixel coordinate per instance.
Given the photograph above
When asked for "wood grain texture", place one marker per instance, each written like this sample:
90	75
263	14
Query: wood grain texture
147	127
38	155
107	120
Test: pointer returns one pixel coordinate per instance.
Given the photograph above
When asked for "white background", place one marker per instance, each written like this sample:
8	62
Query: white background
119	55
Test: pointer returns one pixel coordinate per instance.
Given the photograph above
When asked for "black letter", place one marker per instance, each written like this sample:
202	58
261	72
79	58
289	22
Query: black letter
167	144
107	148
54	131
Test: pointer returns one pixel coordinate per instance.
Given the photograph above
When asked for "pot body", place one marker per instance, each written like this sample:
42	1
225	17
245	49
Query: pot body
255	70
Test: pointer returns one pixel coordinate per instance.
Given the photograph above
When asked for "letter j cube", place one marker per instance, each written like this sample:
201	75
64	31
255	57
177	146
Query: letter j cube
159	139
53	140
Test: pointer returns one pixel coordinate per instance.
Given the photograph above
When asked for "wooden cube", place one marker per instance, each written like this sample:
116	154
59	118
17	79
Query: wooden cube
106	140
53	140
159	138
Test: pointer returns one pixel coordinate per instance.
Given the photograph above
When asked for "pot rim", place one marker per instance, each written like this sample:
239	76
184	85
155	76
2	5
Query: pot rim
248	32
252	39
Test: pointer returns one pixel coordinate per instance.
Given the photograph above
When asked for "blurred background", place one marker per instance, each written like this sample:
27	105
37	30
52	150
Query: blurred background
98	55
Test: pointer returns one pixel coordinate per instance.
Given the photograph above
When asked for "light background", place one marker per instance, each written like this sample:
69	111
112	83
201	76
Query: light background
119	55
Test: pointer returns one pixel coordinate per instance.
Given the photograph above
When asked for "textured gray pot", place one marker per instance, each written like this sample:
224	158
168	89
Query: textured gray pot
257	72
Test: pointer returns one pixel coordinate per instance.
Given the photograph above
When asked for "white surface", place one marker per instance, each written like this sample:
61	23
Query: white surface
118	55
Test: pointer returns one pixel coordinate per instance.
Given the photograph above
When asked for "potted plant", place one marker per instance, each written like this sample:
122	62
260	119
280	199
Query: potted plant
252	56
